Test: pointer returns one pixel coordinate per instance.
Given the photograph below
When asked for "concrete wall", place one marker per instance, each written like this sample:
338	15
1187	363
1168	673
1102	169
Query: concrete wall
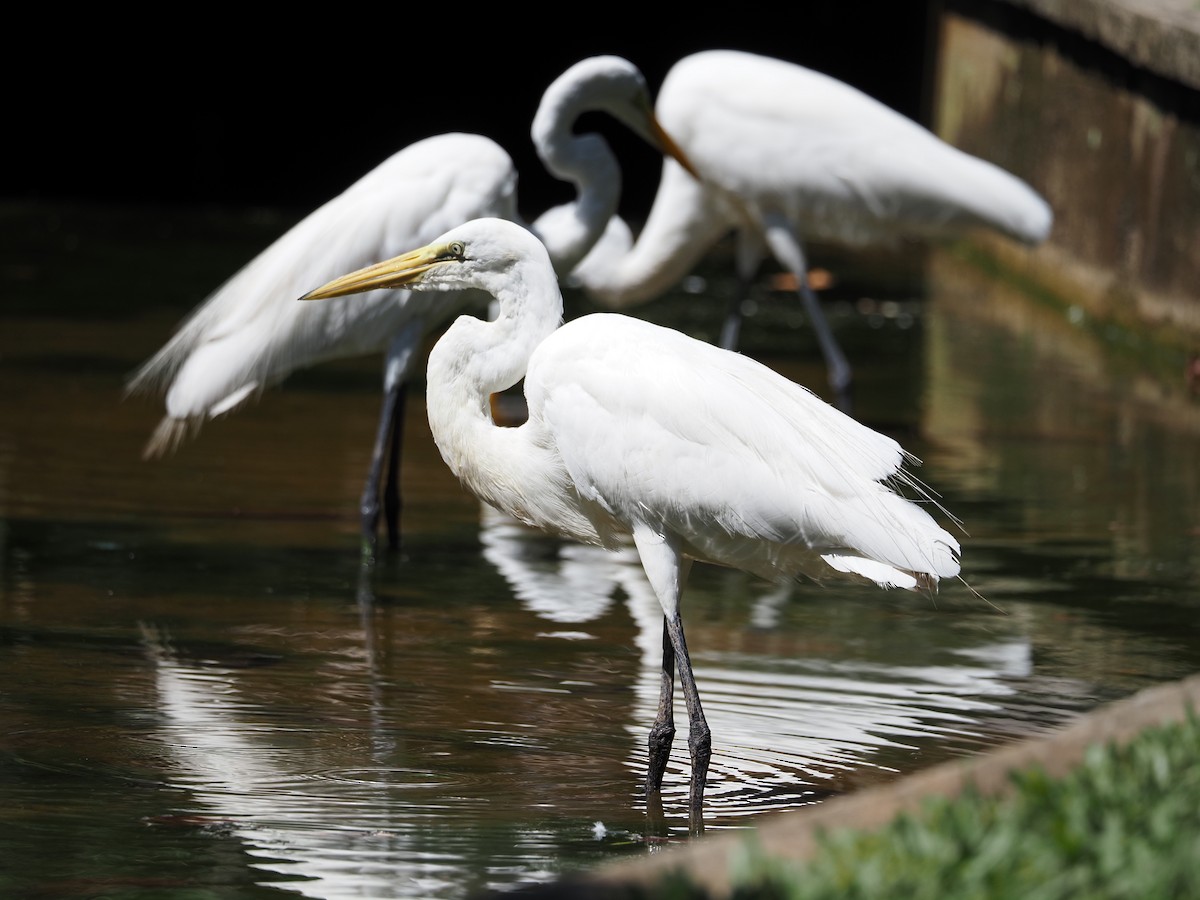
1109	137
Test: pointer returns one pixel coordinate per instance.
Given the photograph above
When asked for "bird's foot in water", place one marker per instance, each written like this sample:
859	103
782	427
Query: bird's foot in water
661	736
700	745
369	519
369	551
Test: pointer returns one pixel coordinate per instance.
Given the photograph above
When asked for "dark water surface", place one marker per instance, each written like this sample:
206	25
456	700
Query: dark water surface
203	693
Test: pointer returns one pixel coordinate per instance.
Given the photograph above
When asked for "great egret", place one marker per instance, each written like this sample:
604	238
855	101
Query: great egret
786	155
250	334
637	430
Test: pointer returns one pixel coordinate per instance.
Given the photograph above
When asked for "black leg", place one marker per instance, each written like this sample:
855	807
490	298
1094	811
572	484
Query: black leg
699	735
662	733
369	502
391	493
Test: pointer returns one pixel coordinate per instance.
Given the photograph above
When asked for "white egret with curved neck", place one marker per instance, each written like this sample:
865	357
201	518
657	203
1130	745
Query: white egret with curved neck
787	155
250	334
635	430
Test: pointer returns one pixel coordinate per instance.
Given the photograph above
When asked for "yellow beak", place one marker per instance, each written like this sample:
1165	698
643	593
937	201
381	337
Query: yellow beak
392	273
668	146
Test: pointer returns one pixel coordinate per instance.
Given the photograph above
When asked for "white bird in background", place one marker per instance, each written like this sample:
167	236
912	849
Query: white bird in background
637	430
787	155
250	334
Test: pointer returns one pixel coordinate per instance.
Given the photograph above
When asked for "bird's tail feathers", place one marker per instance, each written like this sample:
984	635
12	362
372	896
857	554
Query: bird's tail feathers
169	434
912	488
151	378
156	373
891	540
881	573
942	563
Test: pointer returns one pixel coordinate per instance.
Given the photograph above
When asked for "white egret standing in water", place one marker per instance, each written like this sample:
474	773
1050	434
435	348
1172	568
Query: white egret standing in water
786	155
251	334
697	452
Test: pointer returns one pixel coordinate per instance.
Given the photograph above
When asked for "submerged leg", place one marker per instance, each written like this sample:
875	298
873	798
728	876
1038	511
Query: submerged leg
699	734
388	434
662	733
391	490
388	437
667	571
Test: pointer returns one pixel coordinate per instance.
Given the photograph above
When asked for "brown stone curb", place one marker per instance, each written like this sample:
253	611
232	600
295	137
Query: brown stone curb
1162	36
793	835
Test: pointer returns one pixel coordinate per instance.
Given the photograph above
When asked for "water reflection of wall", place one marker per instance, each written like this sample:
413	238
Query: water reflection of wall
1075	470
1084	442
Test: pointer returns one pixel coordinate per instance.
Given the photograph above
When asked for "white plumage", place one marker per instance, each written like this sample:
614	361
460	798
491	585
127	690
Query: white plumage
787	155
250	334
713	446
697	452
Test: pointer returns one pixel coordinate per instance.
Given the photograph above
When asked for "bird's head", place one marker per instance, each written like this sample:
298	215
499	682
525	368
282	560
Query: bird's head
613	85
472	255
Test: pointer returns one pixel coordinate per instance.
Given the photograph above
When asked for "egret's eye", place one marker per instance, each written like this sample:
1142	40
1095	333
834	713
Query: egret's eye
457	249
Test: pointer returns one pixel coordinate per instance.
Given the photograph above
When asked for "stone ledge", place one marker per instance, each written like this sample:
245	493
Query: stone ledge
1162	36
794	835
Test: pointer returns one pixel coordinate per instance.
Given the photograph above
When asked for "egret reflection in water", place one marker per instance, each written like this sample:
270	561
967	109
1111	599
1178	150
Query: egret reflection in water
260	783
342	806
310	823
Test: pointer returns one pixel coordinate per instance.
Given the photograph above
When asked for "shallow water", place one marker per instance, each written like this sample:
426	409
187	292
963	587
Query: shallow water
204	692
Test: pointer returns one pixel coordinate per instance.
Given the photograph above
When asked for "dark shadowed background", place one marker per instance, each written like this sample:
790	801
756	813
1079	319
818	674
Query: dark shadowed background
190	105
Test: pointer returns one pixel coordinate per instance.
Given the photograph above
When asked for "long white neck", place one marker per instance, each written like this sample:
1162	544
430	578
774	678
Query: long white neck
584	160
473	360
685	220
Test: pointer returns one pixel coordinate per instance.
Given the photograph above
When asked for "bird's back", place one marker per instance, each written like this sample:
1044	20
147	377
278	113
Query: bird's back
839	163
252	332
747	467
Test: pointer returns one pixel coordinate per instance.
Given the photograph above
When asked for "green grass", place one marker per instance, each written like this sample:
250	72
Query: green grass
1124	824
